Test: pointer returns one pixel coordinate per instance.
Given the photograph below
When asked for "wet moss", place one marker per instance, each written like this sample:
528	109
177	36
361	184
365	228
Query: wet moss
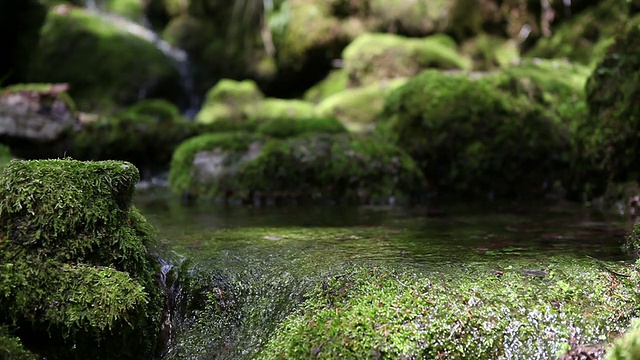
374	57
388	313
471	137
113	53
77	276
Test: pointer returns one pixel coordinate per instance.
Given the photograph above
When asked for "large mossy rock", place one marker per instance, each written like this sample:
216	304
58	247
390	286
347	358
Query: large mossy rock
612	143
145	134
470	137
305	162
229	100
374	57
76	275
105	65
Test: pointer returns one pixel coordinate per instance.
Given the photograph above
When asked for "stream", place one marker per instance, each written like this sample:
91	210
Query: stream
269	257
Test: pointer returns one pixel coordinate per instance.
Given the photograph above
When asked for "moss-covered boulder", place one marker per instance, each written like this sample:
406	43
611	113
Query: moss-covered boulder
412	18
271	108
229	100
207	165
334	82
612	145
145	134
283	128
374	57
585	37
471	137
359	108
337	167
77	279
488	52
106	66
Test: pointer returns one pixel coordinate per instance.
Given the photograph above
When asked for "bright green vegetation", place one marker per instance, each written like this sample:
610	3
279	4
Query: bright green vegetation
11	347
627	347
145	134
469	313
489	52
5	156
124	63
333	83
76	276
471	137
359	108
229	100
371	58
280	108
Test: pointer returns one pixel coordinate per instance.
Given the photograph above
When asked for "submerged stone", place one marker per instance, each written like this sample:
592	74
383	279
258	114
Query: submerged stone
76	274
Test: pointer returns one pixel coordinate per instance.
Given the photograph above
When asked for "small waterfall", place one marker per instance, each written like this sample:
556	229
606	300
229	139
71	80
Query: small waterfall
178	57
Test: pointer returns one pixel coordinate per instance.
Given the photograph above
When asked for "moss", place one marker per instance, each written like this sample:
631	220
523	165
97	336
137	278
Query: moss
285	127
229	99
5	156
470	137
611	145
585	37
131	9
389	313
359	108
44	89
77	277
230	147
272	108
11	347
491	52
417	18
374	57
333	83
97	80
627	347
337	167
145	134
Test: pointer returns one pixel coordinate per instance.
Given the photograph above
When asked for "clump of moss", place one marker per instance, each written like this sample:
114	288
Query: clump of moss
145	134
230	100
206	165
333	83
11	347
285	127
470	137
113	51
491	52
627	347
76	275
419	18
271	108
374	57
338	167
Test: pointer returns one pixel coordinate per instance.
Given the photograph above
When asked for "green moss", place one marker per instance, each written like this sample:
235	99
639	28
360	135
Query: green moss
11	347
388	313
272	108
229	99
585	37
627	347
96	64
374	57
336	167
491	52
76	274
43	89
145	134
5	156
470	137
188	33
230	147
418	18
335	82
285	127
359	108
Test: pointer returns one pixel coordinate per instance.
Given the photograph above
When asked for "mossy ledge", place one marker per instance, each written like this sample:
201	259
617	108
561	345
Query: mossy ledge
76	278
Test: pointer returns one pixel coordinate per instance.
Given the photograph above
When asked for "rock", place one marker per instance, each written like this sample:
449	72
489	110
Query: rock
77	277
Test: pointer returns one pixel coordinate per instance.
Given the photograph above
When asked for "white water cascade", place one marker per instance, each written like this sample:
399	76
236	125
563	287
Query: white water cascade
178	57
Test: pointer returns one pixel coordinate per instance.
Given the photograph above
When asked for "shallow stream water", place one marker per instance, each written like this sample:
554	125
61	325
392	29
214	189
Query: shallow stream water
280	252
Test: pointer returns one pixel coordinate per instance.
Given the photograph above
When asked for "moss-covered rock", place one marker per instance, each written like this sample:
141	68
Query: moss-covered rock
374	57
131	9
612	145
77	277
470	137
145	134
585	37
107	66
359	108
338	167
334	82
229	99
271	108
413	18
207	165
489	52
